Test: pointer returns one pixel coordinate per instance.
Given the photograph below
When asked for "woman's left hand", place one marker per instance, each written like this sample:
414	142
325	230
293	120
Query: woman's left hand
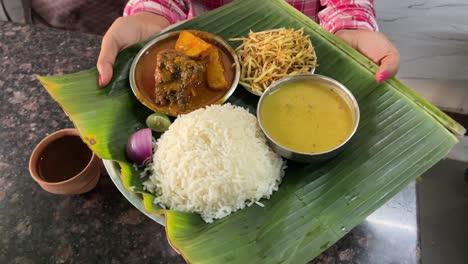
377	47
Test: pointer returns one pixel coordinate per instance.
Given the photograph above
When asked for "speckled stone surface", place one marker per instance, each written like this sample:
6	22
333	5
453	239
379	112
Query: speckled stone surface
38	227
101	226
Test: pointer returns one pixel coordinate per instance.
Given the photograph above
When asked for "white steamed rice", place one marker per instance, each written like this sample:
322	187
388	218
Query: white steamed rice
214	161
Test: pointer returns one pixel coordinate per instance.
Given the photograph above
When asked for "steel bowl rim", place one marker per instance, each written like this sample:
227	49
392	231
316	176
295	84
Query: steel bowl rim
335	82
170	34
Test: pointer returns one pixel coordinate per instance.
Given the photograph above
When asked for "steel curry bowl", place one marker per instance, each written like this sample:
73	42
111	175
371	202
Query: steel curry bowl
142	73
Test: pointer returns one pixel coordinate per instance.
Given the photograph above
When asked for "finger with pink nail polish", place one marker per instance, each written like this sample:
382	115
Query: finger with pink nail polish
382	76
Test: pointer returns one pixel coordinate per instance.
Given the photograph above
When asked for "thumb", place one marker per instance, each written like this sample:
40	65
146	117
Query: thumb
389	66
109	50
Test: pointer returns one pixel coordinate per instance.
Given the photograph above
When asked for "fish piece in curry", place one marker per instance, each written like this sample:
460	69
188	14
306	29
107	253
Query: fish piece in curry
177	78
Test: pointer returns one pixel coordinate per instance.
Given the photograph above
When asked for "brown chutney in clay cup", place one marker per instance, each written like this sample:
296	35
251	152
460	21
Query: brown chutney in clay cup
63	164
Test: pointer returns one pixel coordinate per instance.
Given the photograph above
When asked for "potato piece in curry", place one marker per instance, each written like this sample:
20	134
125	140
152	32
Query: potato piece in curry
192	45
215	71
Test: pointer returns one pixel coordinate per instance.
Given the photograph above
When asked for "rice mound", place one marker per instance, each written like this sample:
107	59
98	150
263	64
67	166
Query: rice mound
214	161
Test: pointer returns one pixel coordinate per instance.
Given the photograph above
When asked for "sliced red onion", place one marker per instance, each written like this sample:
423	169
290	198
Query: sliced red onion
140	146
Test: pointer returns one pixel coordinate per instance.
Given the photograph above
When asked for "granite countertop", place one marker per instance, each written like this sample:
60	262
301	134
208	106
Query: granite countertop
102	226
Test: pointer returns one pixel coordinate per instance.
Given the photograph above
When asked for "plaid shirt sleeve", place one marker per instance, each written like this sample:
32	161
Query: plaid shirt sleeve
336	15
173	10
348	14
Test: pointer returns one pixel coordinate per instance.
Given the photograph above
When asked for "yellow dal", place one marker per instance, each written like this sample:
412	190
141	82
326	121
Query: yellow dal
305	118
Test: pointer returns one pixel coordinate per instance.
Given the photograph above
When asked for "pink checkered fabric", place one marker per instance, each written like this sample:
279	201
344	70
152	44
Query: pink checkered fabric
351	14
333	15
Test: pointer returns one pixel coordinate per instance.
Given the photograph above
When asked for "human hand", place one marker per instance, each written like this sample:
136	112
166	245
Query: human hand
377	47
124	32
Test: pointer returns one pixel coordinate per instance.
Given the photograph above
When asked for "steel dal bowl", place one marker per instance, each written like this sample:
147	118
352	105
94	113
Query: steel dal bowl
337	87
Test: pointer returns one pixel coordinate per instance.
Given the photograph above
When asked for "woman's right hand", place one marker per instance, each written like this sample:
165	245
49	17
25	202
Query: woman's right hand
124	32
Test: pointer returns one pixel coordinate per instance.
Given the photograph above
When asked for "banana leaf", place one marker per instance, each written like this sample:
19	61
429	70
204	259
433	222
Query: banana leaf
400	136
